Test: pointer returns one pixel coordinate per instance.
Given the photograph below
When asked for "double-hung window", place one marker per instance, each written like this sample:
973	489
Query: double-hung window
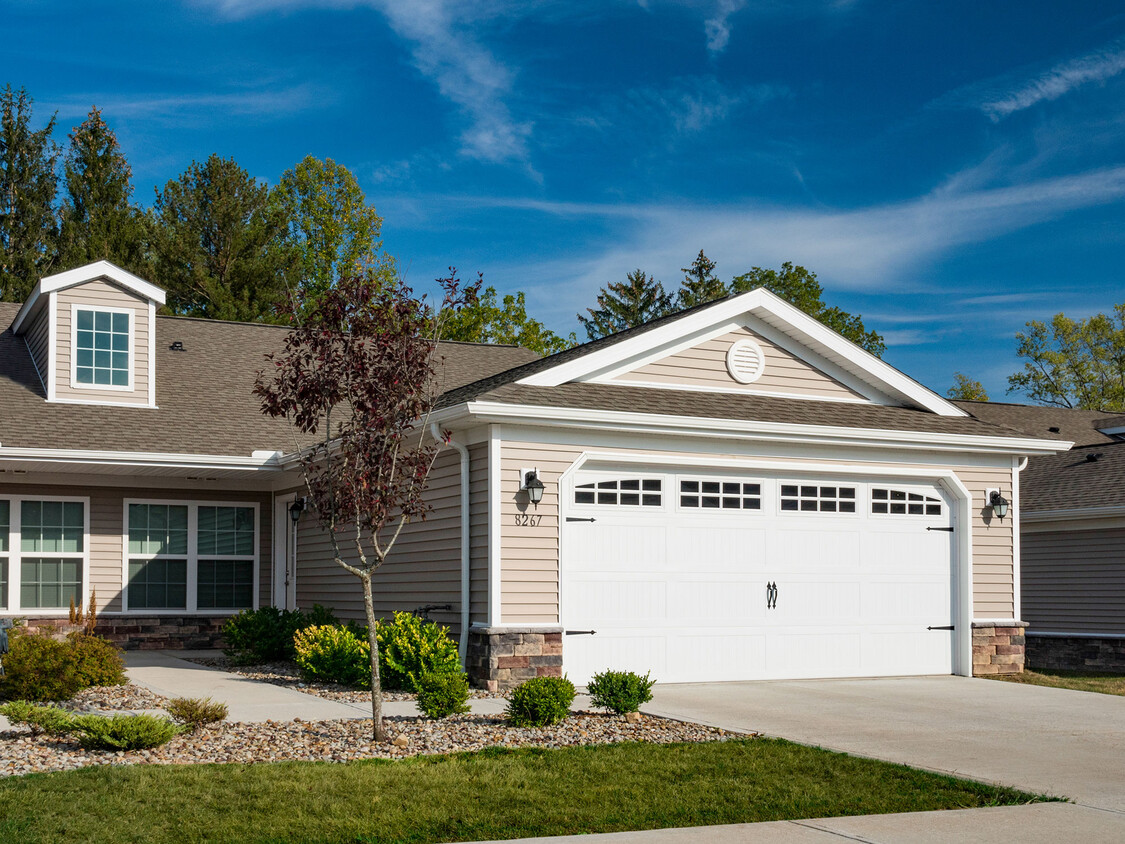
52	553
101	348
5	550
191	556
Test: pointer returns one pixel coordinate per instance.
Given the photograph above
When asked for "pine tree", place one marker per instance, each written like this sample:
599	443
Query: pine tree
28	232
700	284
99	220
218	244
639	299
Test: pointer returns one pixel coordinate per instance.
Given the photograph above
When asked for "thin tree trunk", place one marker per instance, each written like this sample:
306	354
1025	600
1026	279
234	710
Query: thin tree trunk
380	732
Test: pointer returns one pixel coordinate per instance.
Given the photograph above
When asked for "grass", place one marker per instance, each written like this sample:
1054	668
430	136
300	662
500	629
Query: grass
1082	681
486	795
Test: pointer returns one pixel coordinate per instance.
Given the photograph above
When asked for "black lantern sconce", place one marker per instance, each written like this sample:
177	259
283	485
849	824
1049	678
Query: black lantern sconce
998	503
297	508
534	487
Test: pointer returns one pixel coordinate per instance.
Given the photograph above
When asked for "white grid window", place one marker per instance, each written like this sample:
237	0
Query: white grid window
900	502
52	535
626	492
158	548
5	544
807	498
717	494
101	348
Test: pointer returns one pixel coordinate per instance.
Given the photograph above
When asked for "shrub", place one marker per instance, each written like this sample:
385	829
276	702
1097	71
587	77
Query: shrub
42	719
97	662
410	647
39	667
540	702
266	634
333	654
442	695
196	713
123	732
620	691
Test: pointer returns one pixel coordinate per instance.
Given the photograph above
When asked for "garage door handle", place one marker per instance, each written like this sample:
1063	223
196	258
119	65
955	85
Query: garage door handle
946	529
581	632
945	627
771	596
577	519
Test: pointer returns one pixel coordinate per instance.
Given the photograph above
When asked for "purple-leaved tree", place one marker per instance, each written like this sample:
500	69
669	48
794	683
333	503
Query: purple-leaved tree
358	373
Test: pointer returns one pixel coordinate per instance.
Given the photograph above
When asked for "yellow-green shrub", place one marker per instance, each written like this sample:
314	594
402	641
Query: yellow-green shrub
332	654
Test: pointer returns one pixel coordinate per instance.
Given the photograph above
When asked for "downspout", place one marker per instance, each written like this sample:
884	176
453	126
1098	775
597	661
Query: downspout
463	643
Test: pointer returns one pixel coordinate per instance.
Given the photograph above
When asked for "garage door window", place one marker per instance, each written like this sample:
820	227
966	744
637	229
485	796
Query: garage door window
817	499
627	492
900	502
720	495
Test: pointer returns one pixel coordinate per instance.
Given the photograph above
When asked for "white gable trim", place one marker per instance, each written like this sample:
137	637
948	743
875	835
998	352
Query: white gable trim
80	275
773	311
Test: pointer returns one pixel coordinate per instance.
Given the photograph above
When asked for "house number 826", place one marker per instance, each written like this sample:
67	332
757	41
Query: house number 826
528	519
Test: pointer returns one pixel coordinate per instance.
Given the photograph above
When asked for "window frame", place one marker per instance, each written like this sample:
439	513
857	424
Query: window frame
859	488
131	313
16	554
908	490
762	496
618	477
193	556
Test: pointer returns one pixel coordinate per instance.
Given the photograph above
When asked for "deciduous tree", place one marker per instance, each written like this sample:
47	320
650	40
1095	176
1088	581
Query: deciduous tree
621	305
357	372
487	319
1074	363
966	389
28	229
98	218
218	244
799	287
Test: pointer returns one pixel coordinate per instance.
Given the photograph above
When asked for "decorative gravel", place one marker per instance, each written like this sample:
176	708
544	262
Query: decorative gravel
287	674
343	741
127	697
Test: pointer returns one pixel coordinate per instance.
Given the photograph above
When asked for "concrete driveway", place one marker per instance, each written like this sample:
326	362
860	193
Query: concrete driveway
1044	740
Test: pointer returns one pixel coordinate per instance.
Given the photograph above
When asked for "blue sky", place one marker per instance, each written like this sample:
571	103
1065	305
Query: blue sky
949	170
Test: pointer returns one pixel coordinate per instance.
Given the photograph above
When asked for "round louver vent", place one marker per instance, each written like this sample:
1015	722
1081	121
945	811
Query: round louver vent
745	361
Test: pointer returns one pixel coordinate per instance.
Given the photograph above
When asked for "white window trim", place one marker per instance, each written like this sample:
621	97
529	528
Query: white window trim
193	506
861	495
766	488
132	315
623	476
925	492
16	554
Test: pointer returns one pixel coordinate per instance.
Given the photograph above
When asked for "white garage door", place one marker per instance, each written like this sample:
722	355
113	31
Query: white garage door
701	577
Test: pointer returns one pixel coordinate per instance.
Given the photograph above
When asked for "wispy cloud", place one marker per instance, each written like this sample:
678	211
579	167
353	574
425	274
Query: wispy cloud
194	108
692	104
717	27
446	50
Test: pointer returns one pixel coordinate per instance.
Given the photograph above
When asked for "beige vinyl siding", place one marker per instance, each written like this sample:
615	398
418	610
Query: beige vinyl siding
106	295
38	338
530	555
424	566
478	533
1074	580
107	525
705	365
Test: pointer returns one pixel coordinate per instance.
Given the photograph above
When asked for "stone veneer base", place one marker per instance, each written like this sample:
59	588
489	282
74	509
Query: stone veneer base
1076	653
502	657
998	649
147	632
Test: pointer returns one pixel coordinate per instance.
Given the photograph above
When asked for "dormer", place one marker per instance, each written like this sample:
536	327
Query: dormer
91	334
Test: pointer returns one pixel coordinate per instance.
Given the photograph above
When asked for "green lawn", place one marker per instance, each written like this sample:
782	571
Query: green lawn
1082	681
491	794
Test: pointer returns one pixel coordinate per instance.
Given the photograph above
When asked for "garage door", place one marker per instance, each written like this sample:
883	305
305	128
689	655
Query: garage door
701	577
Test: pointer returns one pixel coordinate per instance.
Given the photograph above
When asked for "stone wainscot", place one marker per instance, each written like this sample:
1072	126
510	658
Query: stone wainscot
998	648
502	657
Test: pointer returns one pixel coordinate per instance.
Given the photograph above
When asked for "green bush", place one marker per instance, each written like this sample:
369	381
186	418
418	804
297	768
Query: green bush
620	691
196	713
540	702
331	654
410	647
39	667
266	634
442	695
123	732
42	719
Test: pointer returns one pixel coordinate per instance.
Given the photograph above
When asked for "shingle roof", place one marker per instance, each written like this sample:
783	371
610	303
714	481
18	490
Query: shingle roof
731	406
204	393
1077	426
1071	481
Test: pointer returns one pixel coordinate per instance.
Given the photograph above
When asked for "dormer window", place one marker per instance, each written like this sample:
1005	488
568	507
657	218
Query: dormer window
102	341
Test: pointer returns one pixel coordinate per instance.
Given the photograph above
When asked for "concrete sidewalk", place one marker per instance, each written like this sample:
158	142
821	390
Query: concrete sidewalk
1040	823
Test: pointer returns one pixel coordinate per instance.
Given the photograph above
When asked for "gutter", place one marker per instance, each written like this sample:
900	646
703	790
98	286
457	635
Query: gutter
463	640
263	460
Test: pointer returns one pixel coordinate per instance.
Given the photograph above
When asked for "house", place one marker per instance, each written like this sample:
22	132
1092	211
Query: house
732	492
1072	536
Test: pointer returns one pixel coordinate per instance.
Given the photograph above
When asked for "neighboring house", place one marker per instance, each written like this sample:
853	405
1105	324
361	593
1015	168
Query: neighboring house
1072	536
733	492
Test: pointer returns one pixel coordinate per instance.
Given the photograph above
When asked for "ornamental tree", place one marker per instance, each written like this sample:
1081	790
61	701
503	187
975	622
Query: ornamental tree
356	378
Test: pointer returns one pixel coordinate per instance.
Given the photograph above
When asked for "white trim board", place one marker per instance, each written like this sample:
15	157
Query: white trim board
79	275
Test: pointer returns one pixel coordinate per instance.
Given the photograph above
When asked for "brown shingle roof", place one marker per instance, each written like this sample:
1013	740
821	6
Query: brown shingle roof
1070	481
1077	426
204	393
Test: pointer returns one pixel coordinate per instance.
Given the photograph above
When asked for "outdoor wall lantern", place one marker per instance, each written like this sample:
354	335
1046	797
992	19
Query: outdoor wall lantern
998	503
534	487
295	509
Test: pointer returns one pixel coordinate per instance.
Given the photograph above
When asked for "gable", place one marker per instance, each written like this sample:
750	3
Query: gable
704	366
